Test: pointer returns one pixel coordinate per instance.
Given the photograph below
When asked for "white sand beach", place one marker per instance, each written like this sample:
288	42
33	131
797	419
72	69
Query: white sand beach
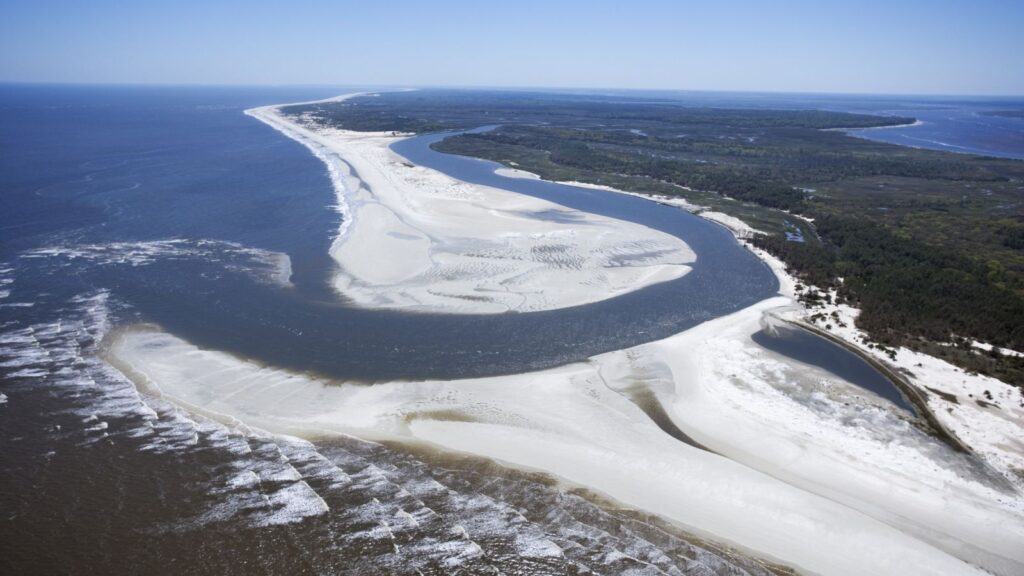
807	469
801	467
810	470
415	239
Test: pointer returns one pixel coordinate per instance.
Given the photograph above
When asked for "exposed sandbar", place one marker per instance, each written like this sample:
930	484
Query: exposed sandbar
413	238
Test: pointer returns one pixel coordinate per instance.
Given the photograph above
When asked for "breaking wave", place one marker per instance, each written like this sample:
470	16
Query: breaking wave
356	506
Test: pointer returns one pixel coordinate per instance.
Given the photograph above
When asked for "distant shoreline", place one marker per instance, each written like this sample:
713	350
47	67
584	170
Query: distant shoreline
916	122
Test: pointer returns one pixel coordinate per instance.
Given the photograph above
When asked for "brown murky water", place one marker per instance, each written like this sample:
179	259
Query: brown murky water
96	478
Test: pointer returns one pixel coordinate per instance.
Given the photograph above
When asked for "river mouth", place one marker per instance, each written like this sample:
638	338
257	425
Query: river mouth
206	291
203	256
211	297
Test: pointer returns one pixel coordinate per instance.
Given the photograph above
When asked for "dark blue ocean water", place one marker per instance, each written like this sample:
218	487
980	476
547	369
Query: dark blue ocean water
110	169
122	166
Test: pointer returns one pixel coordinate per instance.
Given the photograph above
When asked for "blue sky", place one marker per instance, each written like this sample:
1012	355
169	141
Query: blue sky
894	46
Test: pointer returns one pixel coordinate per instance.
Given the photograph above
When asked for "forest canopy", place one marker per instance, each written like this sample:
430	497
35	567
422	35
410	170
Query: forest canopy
929	245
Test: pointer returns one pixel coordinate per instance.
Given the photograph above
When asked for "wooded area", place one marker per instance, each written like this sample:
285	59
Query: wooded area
930	245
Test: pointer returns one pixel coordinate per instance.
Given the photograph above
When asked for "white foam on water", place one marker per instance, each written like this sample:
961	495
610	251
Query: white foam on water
538	548
61	358
866	482
292	503
340	173
273	267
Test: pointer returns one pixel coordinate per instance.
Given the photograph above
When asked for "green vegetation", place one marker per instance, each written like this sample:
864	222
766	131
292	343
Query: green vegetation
911	293
930	245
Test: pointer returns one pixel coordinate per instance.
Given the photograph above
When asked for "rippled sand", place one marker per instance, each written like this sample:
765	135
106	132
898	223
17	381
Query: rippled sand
413	238
808	468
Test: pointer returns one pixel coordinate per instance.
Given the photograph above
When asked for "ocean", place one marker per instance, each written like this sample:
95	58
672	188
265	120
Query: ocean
122	206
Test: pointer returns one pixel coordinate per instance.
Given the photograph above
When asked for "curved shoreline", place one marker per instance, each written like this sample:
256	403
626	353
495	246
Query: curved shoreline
926	415
906	140
788	495
916	122
416	239
805	469
580	423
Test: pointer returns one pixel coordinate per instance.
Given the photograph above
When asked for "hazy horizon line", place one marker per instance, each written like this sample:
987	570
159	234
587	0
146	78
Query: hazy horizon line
538	88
